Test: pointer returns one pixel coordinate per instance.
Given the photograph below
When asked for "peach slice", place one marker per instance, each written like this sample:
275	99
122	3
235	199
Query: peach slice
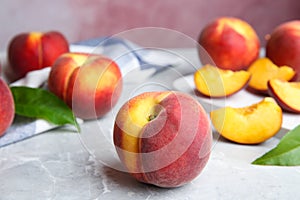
248	125
287	94
214	82
263	69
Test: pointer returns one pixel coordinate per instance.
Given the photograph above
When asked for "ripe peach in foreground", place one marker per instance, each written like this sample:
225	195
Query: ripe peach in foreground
90	84
35	50
248	125
231	43
283	46
287	94
263	69
7	107
214	82
163	138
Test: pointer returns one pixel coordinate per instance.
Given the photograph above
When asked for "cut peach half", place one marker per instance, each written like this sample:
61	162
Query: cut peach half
287	94
263	69
214	82
248	125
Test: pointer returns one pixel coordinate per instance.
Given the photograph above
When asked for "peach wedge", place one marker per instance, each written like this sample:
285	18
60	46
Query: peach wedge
263	69
214	82
248	125
287	94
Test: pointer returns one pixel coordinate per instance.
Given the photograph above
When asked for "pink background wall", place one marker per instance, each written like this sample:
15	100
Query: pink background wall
84	19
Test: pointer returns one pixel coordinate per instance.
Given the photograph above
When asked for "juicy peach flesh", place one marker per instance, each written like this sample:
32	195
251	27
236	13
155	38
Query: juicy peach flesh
248	125
287	94
263	70
214	82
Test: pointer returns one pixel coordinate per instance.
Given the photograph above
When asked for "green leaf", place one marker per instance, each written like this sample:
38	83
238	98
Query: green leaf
286	153
42	104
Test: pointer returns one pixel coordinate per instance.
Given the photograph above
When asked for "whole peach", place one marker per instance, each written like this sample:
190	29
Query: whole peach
283	45
7	107
35	50
90	84
163	138
230	42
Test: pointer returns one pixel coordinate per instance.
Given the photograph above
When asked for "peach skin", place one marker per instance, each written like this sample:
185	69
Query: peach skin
7	107
90	84
163	138
230	42
35	50
283	45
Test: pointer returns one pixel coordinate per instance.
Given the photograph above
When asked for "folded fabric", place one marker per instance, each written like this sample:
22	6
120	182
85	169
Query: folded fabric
126	54
129	55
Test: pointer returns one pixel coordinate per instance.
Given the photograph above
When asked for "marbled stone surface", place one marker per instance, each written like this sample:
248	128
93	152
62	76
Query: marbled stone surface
56	165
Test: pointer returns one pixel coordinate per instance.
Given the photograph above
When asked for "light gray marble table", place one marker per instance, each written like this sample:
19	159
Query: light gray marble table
64	165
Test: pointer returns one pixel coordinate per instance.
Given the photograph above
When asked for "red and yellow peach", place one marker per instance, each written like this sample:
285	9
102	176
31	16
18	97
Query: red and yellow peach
230	42
34	50
283	45
163	138
90	84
